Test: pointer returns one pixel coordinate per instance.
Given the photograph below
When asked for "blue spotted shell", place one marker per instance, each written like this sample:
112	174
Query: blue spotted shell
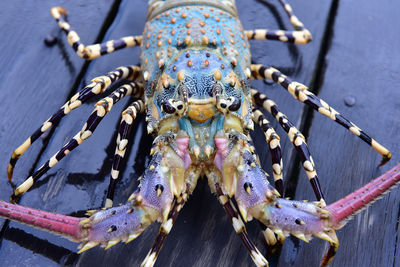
196	44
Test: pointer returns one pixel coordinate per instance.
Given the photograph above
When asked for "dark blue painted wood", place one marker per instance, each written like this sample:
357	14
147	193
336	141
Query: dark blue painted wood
362	60
36	81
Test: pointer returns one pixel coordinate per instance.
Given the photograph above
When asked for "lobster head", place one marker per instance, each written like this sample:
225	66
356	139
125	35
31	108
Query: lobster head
197	84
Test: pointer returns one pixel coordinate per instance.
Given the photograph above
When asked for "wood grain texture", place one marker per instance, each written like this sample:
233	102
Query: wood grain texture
362	61
202	235
36	81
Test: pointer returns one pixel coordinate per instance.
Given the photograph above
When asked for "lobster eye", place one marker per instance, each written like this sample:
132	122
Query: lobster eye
235	105
167	107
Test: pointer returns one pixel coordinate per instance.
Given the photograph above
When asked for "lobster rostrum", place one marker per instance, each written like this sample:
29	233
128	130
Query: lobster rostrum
194	86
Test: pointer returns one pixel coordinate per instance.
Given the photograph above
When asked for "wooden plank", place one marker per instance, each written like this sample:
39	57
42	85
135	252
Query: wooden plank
31	73
362	62
202	235
36	81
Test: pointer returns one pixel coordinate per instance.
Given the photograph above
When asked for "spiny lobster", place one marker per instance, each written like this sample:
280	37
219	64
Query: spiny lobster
199	105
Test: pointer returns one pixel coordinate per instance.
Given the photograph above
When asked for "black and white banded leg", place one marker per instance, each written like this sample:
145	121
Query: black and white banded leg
273	141
102	107
98	85
165	228
94	50
300	92
128	116
240	228
296	138
300	36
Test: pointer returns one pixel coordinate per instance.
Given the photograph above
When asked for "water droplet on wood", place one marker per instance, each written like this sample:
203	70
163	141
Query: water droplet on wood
350	100
50	40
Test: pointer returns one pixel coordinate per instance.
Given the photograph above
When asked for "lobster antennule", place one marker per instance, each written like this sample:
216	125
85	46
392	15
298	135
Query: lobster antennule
64	225
343	209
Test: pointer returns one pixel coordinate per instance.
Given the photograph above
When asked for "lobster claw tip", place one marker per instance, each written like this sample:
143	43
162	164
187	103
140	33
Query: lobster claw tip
86	246
208	151
132	197
14	199
279	233
132	237
302	236
329	236
196	151
85	222
111	243
10	171
243	212
90	212
385	159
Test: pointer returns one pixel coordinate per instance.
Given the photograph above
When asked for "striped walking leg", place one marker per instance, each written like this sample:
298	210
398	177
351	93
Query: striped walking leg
168	220
94	50
240	228
272	139
296	138
165	228
97	86
300	92
300	36
102	107
276	156
128	116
